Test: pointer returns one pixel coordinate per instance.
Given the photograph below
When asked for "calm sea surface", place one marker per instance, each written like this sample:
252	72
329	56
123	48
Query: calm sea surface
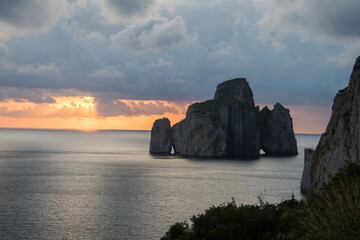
105	184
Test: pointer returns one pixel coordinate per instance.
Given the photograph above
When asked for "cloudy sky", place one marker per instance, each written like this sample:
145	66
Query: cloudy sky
121	64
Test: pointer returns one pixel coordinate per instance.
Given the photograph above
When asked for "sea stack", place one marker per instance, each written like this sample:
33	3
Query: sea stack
225	125
160	141
228	126
276	131
341	141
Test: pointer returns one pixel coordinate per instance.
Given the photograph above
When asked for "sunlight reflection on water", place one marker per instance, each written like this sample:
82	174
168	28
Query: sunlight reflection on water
105	185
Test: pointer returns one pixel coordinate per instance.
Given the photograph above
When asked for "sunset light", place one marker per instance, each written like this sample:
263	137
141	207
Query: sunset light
120	119
82	113
86	113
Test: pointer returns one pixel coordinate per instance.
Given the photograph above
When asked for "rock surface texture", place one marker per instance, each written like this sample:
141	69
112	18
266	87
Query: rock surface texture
276	131
160	141
223	126
341	141
197	135
227	126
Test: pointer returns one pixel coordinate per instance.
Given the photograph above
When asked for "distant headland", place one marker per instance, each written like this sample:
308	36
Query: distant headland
229	125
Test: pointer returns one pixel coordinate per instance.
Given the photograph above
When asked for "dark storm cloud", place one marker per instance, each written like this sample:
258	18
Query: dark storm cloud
22	17
22	12
130	7
333	18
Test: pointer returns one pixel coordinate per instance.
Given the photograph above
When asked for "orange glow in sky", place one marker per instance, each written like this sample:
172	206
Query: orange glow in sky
82	113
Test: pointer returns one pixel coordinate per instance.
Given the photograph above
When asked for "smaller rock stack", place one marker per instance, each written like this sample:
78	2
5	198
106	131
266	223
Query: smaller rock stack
276	131
160	141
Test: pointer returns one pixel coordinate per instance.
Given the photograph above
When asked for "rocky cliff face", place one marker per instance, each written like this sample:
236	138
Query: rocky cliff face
341	141
233	113
228	126
198	135
276	131
160	141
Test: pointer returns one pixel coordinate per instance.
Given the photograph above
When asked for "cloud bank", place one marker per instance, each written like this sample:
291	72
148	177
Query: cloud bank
296	52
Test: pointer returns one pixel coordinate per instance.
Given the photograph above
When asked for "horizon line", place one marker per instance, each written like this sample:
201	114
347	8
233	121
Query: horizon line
105	129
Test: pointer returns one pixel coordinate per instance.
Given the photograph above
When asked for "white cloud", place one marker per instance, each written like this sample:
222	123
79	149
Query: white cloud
22	17
153	35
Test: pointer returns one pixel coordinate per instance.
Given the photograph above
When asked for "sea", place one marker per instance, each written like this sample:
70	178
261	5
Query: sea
62	184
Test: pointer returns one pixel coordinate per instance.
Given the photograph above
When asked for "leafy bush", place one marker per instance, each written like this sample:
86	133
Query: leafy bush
229	221
178	231
335	214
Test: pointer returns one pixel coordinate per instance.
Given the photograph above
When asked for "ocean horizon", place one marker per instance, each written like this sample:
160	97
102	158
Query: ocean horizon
104	184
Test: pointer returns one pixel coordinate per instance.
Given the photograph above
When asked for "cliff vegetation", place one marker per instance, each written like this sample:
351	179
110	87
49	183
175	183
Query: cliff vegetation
335	214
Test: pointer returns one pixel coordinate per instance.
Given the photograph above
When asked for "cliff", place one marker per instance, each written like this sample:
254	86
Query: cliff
198	135
341	141
227	126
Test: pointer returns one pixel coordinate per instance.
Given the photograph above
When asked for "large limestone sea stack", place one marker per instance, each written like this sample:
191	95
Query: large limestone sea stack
341	141
229	125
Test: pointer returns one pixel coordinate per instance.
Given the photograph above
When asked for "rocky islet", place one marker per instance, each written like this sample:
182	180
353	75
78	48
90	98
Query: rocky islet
229	125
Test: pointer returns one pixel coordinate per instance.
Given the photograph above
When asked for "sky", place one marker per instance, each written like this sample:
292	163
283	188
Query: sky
121	64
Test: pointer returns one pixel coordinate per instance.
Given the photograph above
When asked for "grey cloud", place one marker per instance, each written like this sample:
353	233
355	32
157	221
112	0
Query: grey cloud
129	11
108	72
23	12
154	35
21	17
49	69
226	47
108	107
30	95
3	50
338	19
130	8
42	100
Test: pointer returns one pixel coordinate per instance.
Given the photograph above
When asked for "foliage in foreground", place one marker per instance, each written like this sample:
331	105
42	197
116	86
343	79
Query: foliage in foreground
335	214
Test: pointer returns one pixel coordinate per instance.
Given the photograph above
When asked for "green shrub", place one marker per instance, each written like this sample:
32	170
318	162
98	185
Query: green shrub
229	221
335	214
178	231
